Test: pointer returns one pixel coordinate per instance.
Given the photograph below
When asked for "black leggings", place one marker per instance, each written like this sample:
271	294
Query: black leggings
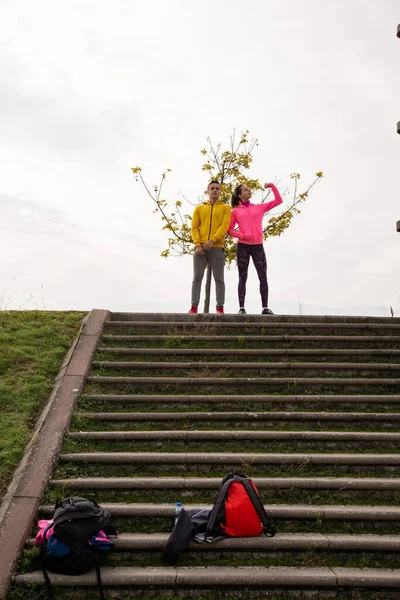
243	253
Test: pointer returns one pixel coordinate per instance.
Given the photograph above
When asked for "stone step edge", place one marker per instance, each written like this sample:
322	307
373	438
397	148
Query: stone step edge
276	511
281	541
231	458
275	398
231	435
213	483
226	576
251	351
237	381
346	366
238	416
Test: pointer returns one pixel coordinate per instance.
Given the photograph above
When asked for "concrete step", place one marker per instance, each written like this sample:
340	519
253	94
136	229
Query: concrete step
228	577
359	383
245	353
213	483
259	341
252	327
260	368
281	541
285	369
240	416
231	458
249	318
232	435
324	512
248	398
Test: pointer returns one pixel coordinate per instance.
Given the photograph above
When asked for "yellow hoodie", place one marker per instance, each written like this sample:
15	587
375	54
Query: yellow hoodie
211	222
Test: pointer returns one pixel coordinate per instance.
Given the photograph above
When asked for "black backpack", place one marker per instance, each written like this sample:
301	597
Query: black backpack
75	521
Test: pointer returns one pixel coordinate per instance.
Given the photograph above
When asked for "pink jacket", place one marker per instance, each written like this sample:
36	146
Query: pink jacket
249	220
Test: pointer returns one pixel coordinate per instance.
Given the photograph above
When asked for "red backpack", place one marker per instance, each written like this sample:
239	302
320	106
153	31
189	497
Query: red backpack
238	510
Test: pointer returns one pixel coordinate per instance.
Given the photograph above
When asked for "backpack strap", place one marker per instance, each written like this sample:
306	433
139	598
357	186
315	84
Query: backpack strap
99	582
50	593
269	529
223	490
49	587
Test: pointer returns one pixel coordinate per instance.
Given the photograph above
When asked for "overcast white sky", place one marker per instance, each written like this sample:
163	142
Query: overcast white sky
89	89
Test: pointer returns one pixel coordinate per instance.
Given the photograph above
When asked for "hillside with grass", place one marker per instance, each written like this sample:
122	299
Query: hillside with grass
32	347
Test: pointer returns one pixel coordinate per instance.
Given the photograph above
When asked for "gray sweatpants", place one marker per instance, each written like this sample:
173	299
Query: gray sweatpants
216	258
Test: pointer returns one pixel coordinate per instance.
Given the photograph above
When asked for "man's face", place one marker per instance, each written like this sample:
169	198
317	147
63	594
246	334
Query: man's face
214	191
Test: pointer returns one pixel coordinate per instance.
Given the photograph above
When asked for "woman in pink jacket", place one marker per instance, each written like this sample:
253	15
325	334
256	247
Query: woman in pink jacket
248	217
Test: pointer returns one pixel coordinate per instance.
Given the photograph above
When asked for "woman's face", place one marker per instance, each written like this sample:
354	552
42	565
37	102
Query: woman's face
245	193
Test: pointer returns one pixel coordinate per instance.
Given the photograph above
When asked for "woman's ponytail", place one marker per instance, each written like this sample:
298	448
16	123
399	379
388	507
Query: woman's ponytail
235	200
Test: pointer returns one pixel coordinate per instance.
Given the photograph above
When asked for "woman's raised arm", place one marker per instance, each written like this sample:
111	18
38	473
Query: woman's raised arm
277	198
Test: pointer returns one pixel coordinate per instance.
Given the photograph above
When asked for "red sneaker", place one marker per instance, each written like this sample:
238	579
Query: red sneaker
220	310
193	310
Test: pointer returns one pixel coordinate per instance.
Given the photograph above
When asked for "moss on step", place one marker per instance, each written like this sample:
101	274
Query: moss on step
82	423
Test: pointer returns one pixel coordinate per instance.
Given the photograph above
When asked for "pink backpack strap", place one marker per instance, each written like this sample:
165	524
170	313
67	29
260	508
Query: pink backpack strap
45	531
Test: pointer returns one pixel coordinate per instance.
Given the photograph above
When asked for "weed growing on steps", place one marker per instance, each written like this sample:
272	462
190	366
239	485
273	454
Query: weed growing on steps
68	470
232	445
254	342
135	593
86	424
238	355
281	496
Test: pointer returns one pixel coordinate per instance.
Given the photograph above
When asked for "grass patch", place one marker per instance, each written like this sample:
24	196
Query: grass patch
32	347
234	341
273	496
264	356
82	423
232	445
36	593
306	558
67	470
208	328
233	387
199	370
137	593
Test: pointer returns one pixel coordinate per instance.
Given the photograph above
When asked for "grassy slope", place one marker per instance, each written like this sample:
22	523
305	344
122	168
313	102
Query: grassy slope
32	347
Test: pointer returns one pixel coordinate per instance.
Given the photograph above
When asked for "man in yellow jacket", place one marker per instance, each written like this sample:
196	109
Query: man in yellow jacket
210	224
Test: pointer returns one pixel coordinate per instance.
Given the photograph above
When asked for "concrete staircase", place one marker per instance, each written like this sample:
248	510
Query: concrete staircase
306	406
